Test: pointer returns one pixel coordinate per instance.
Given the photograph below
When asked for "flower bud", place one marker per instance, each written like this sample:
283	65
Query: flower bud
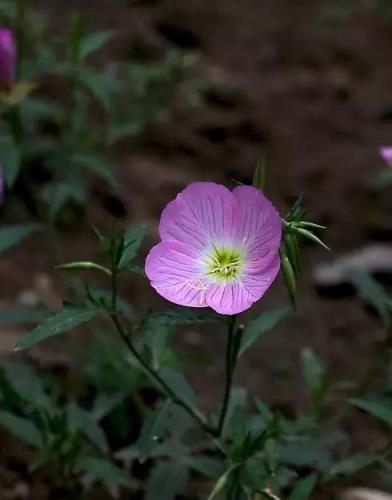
7	58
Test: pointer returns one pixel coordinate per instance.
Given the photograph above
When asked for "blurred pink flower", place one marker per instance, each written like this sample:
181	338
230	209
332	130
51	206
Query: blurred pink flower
386	154
7	57
219	248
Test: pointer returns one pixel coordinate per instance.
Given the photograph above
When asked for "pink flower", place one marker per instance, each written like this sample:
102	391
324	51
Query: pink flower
386	154
219	248
7	57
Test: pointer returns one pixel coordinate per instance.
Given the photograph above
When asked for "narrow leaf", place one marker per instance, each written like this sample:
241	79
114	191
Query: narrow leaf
260	175
221	483
59	322
21	428
352	465
26	383
261	325
166	481
313	371
179	385
10	160
153	427
133	238
84	265
304	488
92	43
311	236
80	420
12	235
379	409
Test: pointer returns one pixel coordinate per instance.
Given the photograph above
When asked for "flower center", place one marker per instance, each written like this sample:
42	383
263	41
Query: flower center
224	263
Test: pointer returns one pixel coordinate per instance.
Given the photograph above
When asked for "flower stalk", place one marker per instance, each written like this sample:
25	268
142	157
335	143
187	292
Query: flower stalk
232	350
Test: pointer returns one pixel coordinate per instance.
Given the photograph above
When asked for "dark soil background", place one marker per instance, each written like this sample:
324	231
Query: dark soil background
286	81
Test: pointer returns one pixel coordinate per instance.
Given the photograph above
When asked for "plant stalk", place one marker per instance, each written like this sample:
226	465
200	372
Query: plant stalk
231	361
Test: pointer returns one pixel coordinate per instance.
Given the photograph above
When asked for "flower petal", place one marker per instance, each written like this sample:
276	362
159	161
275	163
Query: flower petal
229	298
256	282
174	270
258	225
238	296
202	212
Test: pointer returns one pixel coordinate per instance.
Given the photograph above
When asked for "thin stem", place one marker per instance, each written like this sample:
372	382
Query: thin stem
15	125
231	359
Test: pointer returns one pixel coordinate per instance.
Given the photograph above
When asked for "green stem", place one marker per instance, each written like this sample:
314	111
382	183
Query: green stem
231	360
15	125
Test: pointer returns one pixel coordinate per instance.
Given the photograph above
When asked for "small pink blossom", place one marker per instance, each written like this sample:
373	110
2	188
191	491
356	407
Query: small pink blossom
7	57
219	248
386	154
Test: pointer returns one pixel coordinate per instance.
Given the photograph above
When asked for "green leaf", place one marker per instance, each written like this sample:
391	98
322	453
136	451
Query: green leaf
221	482
177	382
153	427
303	489
133	238
261	325
306	453
313	373
379	409
26	383
35	110
372	292
352	465
97	83
84	265
98	164
10	160
128	129
264	410
93	42
82	421
271	454
260	175
104	405
58	194
96	470
311	236
166	481
12	235
207	466
56	323
156	340
21	428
